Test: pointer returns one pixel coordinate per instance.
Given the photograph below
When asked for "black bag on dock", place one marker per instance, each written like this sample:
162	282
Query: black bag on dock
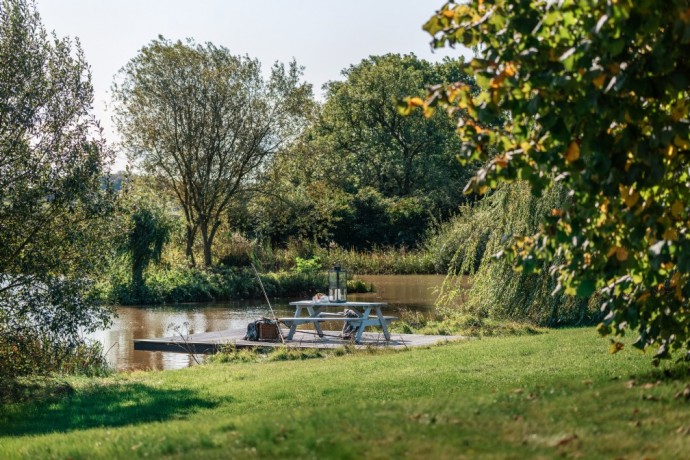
262	329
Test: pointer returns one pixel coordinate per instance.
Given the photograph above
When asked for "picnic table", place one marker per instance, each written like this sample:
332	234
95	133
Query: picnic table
370	314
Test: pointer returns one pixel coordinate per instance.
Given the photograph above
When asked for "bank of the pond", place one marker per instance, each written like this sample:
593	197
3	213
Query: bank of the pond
177	285
410	296
558	394
288	272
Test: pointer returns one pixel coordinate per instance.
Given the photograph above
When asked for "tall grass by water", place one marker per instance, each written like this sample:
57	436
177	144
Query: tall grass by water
378	261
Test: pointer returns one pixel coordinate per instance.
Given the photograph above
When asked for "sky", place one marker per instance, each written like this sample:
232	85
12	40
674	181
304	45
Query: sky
324	36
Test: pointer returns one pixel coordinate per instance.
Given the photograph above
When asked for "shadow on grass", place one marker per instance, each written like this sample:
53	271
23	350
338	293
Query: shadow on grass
107	406
667	371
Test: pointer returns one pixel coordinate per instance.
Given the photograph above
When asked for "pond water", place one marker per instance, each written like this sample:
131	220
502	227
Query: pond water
415	292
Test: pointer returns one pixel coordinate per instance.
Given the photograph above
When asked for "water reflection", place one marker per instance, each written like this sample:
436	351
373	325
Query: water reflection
413	291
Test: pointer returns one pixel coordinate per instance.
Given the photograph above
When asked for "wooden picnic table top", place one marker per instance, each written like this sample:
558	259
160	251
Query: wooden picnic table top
337	304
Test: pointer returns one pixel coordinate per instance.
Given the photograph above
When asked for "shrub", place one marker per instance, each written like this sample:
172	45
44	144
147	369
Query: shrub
307	265
239	252
24	352
222	283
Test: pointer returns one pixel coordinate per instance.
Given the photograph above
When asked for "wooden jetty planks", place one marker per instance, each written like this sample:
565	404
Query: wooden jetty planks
210	342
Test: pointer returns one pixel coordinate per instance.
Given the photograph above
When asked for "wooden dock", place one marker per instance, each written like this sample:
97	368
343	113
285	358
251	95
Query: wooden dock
211	342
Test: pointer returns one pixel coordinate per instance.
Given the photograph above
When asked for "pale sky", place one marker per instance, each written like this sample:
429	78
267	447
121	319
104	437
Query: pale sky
324	36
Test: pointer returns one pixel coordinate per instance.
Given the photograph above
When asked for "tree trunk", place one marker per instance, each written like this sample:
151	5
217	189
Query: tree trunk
189	251
207	241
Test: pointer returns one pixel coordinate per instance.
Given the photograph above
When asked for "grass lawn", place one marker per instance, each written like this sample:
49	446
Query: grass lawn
558	394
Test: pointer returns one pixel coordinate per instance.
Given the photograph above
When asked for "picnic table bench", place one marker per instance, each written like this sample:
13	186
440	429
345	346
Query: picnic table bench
317	315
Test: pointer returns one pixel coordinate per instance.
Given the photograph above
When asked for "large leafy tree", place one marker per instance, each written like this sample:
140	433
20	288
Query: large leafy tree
597	96
398	156
370	175
206	123
52	198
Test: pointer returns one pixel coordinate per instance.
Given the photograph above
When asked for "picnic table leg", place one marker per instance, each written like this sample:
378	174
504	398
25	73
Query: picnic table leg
293	327
313	314
360	331
384	326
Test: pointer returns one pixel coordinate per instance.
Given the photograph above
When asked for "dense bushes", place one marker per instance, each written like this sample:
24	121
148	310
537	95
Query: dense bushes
220	283
375	220
26	352
388	261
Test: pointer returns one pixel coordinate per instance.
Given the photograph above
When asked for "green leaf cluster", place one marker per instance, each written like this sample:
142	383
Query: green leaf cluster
597	102
54	202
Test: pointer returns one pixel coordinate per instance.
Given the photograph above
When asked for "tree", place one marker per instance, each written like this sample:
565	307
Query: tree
387	175
146	224
398	156
52	195
477	233
597	100
145	242
206	123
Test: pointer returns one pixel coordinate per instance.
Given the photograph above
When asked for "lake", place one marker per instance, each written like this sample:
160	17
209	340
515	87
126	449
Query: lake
416	292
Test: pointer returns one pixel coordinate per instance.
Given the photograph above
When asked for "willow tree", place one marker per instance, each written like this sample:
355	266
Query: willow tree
597	95
205	123
478	234
52	201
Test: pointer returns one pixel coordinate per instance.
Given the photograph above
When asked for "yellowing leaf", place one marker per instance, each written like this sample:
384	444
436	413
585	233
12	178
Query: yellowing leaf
450	14
616	347
416	102
573	152
599	80
685	16
552	55
644	296
501	162
496	82
670	151
629	195
679	110
632	199
667	265
681	143
675	278
495	97
670	234
604	206
621	254
676	208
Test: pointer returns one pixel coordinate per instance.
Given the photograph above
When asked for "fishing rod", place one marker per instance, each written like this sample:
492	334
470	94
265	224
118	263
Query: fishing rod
280	333
301	331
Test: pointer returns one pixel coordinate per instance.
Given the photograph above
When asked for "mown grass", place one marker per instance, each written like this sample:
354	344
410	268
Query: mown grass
557	394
